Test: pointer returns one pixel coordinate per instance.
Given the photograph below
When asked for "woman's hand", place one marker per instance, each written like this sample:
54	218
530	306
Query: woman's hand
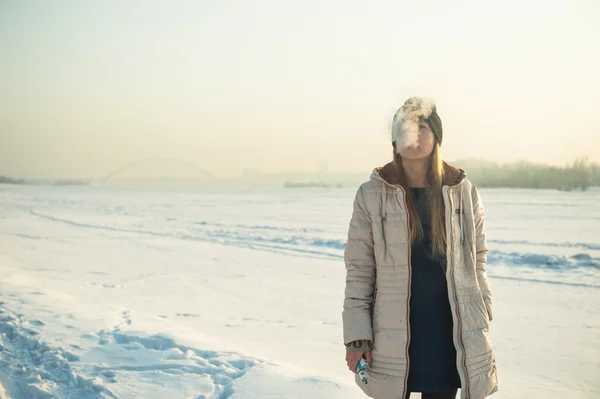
352	359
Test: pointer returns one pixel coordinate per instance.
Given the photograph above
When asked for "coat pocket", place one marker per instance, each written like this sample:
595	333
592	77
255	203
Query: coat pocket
390	229
485	308
474	313
483	311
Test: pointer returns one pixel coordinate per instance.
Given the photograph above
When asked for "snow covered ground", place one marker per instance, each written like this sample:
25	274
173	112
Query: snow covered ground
115	293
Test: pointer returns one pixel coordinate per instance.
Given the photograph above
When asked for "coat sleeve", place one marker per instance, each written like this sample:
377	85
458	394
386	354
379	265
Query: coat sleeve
360	274
481	251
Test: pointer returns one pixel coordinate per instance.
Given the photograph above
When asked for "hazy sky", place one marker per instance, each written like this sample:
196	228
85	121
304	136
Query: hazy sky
274	85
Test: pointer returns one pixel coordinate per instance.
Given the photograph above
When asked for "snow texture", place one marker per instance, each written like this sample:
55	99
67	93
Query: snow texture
238	293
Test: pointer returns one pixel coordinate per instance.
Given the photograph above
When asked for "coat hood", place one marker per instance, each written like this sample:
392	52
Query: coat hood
452	175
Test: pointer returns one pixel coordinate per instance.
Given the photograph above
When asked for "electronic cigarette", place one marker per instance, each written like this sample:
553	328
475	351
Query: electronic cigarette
361	368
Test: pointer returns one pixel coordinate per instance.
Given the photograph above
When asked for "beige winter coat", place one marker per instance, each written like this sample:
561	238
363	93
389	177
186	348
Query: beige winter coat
376	305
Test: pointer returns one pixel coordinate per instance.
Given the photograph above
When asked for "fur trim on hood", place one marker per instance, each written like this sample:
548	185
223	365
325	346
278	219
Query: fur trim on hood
452	175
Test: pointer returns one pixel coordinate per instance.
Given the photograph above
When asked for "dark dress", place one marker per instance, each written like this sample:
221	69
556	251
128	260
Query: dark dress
432	354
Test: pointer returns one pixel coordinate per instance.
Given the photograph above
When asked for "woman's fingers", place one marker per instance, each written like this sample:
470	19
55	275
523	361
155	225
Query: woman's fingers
368	356
352	359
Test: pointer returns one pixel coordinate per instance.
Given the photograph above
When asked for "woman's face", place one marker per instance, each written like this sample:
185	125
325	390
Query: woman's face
424	146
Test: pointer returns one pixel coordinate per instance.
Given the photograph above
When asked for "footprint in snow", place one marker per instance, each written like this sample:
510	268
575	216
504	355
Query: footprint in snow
125	318
112	286
188	315
91	337
71	357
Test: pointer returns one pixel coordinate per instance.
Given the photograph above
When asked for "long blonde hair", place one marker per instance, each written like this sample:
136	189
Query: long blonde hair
436	199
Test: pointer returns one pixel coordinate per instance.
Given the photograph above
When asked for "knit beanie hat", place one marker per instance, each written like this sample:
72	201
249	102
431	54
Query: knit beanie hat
405	125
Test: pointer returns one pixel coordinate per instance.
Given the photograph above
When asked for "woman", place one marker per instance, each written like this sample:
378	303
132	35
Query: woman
417	302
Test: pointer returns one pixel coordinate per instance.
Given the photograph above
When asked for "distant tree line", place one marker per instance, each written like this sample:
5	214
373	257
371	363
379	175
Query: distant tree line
577	175
8	180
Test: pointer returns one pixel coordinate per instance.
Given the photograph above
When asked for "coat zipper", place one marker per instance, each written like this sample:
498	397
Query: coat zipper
405	386
462	344
464	353
408	301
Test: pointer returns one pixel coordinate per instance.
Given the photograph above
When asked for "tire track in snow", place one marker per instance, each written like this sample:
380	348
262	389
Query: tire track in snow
291	247
535	280
223	240
579	245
